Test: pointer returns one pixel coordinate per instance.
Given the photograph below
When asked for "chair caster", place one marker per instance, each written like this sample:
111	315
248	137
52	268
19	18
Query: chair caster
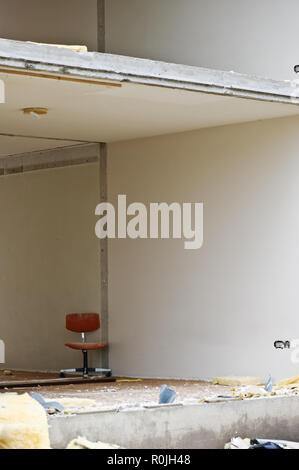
108	374
62	375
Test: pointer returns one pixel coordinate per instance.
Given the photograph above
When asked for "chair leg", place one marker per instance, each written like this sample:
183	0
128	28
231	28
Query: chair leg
107	372
85	364
63	372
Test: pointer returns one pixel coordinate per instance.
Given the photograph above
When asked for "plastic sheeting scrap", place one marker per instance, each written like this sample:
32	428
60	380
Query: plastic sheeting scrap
268	444
166	395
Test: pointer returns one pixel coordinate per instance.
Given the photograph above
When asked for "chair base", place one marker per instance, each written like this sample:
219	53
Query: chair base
85	374
85	369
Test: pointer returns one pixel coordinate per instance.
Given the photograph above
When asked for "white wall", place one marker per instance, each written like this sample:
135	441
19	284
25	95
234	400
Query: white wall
258	37
218	310
49	263
55	21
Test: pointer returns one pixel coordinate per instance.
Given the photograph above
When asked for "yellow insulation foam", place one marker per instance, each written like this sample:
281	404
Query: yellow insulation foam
236	381
64	46
23	423
287	382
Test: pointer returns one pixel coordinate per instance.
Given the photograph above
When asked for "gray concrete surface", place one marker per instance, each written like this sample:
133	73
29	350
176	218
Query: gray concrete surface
202	426
35	57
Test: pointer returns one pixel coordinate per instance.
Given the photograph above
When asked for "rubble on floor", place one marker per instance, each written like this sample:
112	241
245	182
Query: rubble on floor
292	382
236	381
23	420
124	393
268	444
136	393
166	395
286	387
74	405
83	443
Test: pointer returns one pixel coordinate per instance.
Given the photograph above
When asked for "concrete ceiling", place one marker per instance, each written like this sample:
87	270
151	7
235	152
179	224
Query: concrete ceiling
92	112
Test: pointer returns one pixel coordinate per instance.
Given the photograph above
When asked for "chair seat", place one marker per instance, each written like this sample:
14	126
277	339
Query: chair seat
86	346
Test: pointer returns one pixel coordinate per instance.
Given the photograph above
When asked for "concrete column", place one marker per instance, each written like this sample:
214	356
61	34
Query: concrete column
101	25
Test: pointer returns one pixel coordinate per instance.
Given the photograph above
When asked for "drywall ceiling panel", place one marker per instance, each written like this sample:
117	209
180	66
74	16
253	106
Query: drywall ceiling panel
92	112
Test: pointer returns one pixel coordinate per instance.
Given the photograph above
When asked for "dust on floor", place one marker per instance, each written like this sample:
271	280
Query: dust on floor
113	394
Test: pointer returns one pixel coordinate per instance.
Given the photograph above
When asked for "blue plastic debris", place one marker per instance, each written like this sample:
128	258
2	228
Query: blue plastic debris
269	385
166	395
266	446
46	404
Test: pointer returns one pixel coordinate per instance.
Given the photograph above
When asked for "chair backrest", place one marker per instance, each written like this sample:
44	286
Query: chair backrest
82	322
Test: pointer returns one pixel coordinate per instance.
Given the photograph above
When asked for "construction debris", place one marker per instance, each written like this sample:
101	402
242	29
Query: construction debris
219	398
23	423
250	391
90	396
128	380
53	406
293	382
64	46
283	387
166	395
268	444
83	443
236	381
269	385
238	443
69	405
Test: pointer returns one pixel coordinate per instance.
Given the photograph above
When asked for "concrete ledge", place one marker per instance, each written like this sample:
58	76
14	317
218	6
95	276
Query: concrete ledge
47	59
202	426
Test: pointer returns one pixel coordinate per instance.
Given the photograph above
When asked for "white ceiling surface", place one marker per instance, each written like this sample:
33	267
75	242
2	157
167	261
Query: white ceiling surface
94	113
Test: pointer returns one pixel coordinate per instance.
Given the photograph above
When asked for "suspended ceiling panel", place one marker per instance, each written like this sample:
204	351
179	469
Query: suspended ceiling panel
93	113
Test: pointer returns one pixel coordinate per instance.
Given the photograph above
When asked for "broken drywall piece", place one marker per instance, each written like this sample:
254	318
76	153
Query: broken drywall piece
83	443
23	423
236	381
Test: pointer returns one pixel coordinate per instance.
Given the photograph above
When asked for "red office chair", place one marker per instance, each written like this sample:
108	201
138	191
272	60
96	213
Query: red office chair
84	323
